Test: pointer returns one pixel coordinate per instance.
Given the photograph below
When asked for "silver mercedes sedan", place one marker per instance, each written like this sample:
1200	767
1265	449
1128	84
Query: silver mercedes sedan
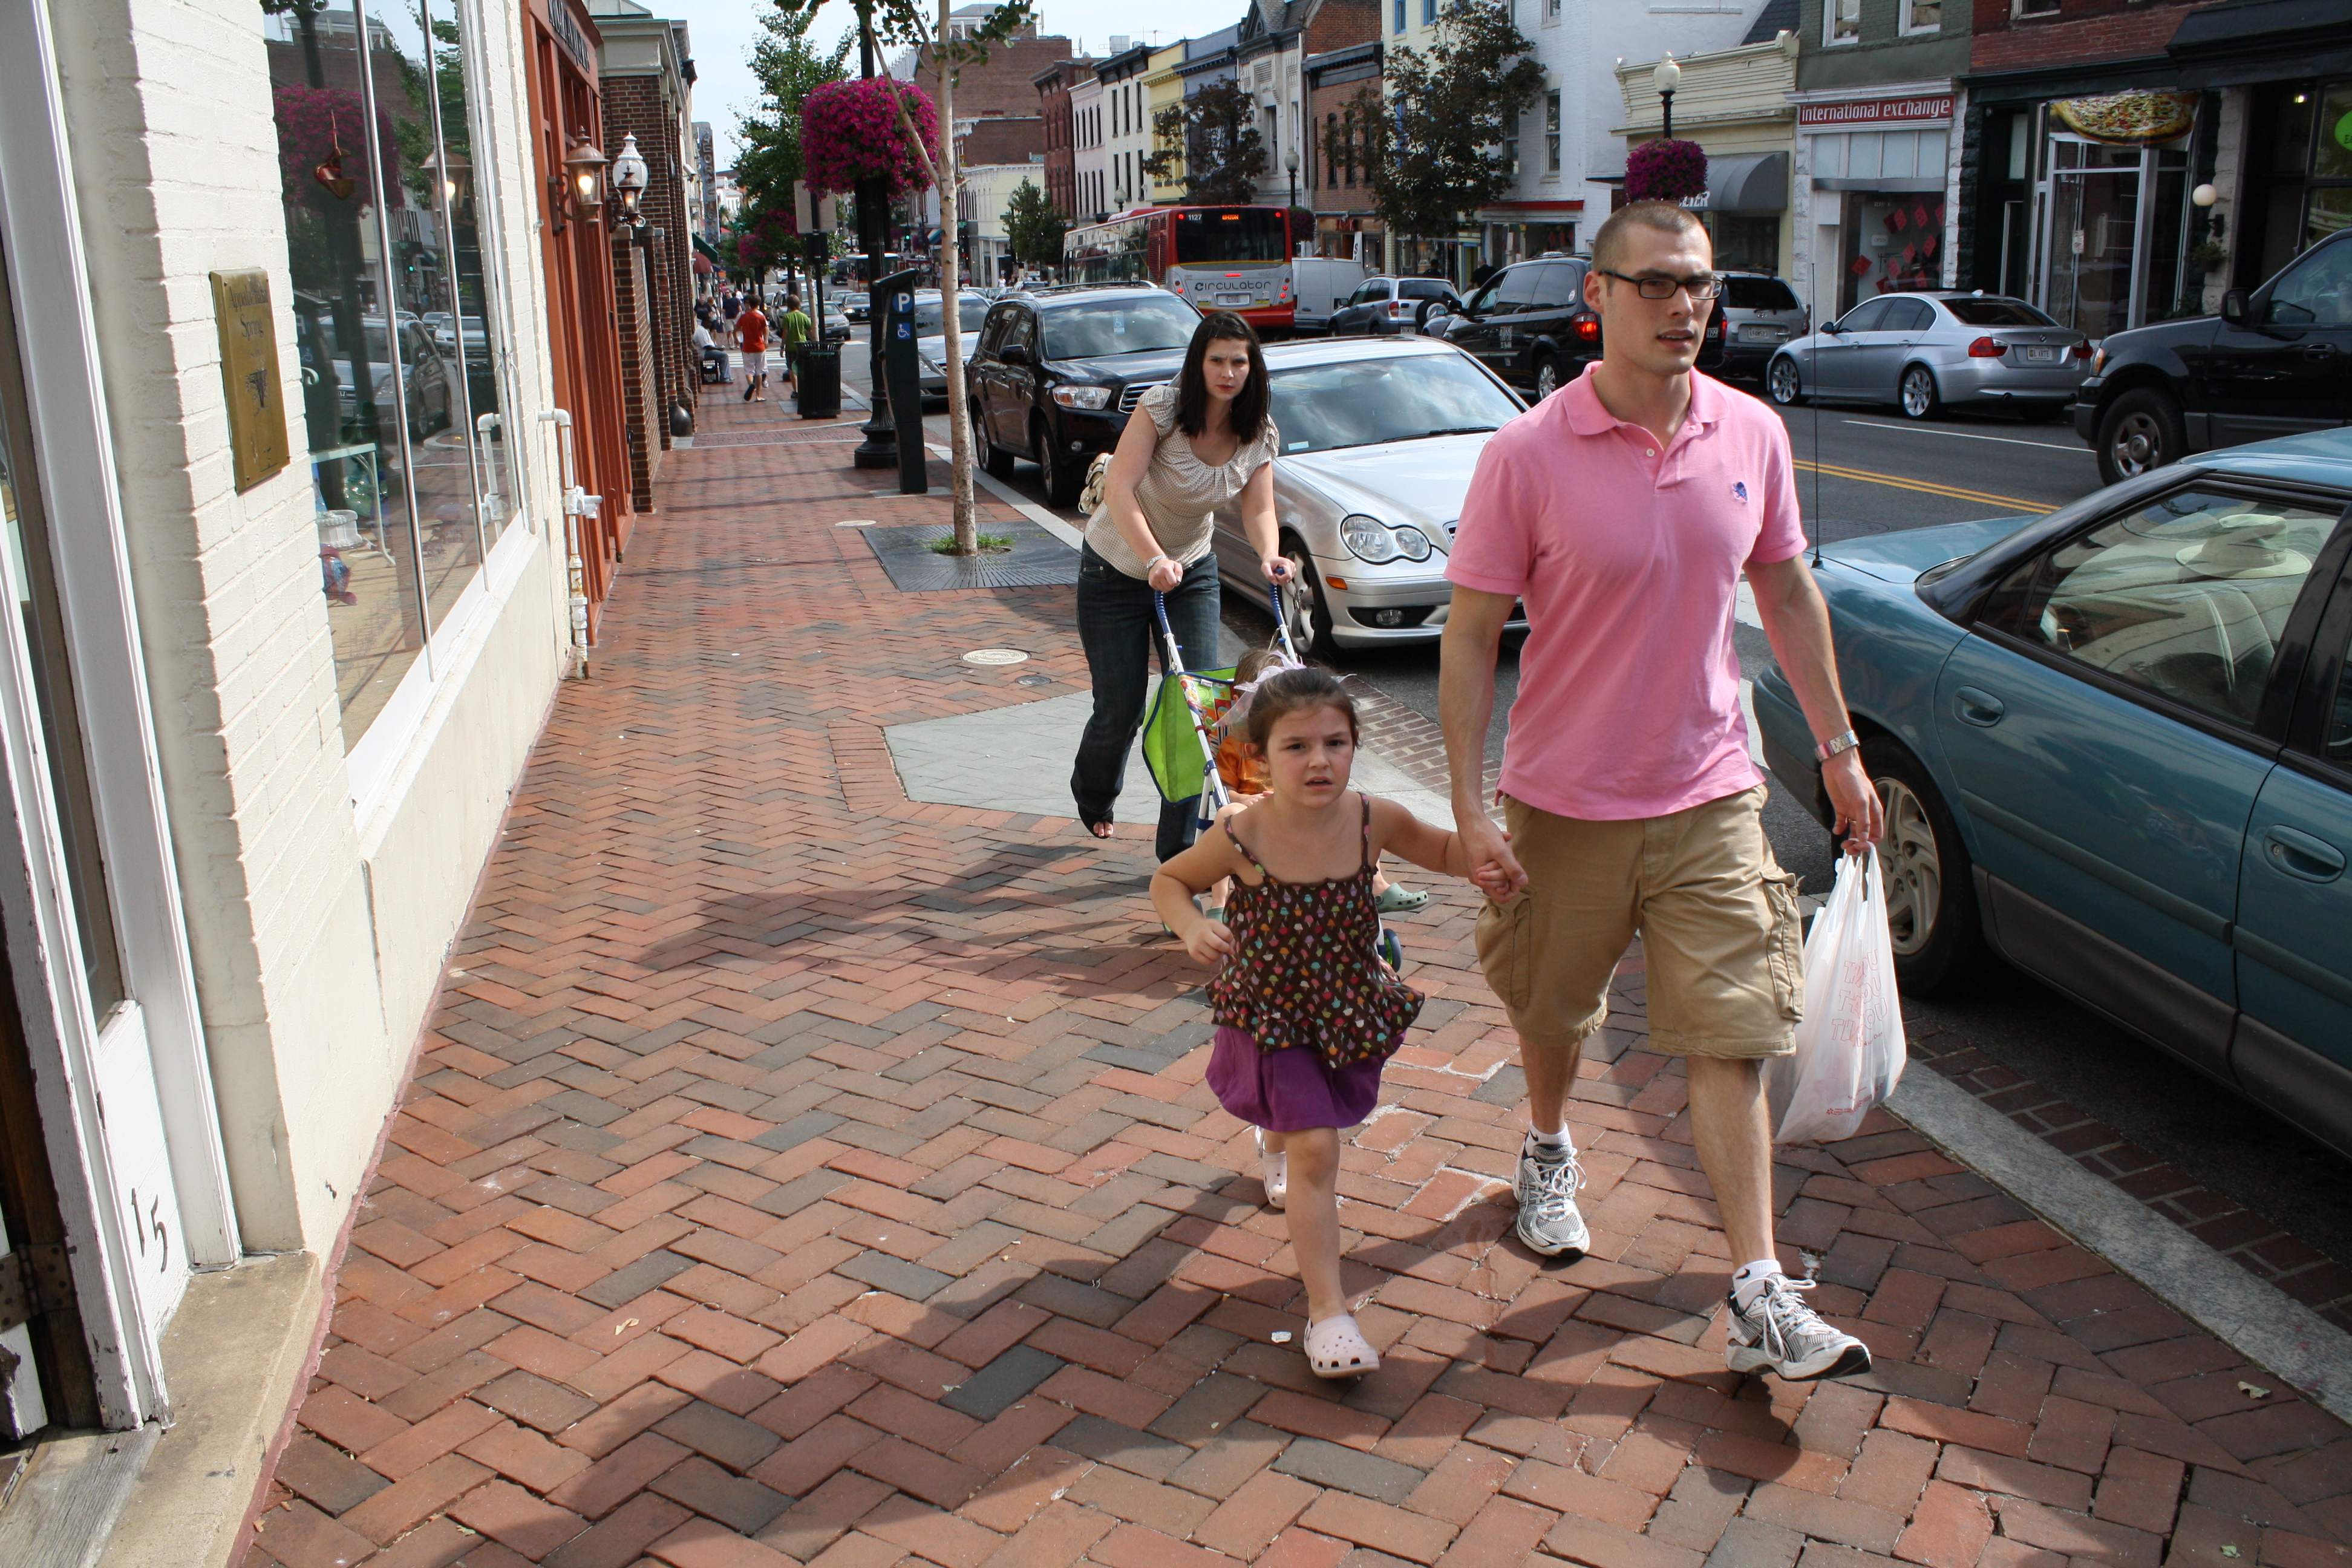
1378	439
1922	351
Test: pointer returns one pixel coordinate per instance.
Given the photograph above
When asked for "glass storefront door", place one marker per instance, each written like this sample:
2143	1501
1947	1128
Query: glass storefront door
2112	233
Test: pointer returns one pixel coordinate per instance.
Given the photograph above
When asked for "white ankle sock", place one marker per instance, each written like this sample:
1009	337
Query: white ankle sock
1749	1282
1559	1140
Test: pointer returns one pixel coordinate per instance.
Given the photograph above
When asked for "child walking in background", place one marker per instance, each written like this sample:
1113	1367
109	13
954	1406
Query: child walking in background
1306	1011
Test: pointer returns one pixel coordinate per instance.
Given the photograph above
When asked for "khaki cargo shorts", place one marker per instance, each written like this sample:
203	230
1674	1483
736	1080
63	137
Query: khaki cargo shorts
1717	915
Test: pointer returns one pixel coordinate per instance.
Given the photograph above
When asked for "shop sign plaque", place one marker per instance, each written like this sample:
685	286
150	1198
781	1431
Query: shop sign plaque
248	351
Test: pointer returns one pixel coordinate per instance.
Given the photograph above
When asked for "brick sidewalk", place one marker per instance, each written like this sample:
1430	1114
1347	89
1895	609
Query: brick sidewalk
797	1174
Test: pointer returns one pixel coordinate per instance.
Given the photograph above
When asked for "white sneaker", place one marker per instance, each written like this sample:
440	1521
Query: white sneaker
1274	1170
1781	1335
1546	1184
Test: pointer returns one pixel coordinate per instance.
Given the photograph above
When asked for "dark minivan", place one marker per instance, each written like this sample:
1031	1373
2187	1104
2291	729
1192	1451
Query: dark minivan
1055	374
1529	324
2277	362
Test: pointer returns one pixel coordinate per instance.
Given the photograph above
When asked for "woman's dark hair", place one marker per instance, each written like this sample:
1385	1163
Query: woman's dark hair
1289	691
1247	416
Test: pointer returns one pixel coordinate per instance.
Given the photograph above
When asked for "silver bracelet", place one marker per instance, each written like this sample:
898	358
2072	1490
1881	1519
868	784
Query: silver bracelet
1843	740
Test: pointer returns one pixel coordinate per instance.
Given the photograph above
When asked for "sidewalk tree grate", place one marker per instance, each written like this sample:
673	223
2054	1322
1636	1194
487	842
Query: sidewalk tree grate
1037	559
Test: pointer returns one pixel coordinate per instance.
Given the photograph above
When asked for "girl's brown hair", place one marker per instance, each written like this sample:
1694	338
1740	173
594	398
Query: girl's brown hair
1289	691
1247	417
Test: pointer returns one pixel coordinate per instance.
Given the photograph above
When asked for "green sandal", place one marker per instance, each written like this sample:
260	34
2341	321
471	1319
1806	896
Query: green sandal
1398	901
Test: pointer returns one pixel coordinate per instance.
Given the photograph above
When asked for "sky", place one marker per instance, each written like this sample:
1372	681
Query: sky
722	31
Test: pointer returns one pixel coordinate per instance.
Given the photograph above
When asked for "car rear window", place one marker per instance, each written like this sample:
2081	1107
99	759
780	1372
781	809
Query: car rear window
1757	294
1997	313
1423	288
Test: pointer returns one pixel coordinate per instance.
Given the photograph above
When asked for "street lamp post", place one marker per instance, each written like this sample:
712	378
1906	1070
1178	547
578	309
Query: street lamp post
1290	162
1665	79
879	447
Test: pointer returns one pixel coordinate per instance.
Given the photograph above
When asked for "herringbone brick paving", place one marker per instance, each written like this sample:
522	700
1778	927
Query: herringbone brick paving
794	1174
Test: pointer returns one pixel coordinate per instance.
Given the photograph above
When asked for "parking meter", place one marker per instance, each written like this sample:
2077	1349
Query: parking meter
893	315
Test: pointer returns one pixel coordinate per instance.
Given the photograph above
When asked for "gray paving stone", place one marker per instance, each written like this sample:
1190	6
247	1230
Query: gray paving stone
808	1124
896	1275
1138	1453
1351	1469
645	1274
998	1387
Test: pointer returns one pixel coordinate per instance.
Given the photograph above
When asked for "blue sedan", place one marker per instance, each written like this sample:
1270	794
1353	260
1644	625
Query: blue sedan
2115	747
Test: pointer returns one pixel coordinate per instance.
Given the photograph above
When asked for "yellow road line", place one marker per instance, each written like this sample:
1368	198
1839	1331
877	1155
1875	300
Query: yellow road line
1925	487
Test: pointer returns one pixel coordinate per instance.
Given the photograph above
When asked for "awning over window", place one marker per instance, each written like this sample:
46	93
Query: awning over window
2242	41
1746	182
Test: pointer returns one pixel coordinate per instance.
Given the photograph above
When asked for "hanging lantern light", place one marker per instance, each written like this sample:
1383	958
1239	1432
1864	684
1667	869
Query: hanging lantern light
583	169
629	180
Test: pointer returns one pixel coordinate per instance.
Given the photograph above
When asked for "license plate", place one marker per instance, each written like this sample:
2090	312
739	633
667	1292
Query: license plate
1762	334
1233	299
2041	356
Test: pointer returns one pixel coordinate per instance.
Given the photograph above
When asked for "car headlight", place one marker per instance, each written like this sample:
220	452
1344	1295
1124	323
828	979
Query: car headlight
1411	542
1082	397
1369	540
2098	359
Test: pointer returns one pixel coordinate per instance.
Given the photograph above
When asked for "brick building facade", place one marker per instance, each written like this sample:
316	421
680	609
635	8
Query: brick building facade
1002	87
1053	85
646	78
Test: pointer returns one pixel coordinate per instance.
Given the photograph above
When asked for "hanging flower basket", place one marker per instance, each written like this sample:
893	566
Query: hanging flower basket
850	132
763	242
311	123
1665	172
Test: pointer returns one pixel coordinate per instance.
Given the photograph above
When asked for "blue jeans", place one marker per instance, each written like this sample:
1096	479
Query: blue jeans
1121	637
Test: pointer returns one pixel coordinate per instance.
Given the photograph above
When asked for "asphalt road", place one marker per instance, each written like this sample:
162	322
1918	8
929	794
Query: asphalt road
1864	470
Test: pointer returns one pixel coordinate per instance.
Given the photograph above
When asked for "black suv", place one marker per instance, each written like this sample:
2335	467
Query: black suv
1529	324
1055	376
2273	362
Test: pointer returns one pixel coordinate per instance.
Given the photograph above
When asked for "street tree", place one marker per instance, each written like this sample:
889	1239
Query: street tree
1210	141
1434	146
1034	226
770	157
946	48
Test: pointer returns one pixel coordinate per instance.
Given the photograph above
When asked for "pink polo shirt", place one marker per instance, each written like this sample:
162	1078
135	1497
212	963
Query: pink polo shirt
1628	558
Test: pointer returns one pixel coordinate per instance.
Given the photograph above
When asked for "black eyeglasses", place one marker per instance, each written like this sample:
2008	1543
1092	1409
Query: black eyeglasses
1701	289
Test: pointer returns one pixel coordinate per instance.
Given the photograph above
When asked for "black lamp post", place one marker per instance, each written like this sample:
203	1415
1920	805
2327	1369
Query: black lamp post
1290	162
1665	79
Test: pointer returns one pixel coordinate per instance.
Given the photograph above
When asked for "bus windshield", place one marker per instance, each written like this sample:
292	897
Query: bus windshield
1228	233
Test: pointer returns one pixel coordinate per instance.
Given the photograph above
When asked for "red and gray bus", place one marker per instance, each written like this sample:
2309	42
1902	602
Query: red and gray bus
1232	258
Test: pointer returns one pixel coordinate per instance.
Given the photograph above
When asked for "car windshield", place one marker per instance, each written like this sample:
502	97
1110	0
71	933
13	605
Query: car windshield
1134	324
1996	313
931	321
1360	402
1756	294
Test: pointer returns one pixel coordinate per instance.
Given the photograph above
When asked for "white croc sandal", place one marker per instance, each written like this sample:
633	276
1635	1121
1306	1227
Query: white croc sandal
1274	1170
1337	1348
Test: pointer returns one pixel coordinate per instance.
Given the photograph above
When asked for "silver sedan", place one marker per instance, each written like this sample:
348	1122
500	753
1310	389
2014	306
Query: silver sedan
1922	351
1378	439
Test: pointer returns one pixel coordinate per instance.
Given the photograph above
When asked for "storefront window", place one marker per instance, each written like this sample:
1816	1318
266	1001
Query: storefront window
1551	132
2112	265
395	321
2333	159
1746	242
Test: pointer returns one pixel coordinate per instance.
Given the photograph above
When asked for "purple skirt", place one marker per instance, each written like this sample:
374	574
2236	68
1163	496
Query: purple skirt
1290	1090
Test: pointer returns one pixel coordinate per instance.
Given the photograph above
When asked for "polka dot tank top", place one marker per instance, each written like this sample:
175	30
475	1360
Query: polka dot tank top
1306	969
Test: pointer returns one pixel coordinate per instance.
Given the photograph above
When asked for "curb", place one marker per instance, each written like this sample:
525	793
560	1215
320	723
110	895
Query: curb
2254	1317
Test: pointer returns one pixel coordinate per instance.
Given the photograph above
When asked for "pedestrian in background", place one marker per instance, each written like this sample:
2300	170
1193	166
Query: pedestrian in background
1623	511
752	337
1204	440
797	330
1306	1011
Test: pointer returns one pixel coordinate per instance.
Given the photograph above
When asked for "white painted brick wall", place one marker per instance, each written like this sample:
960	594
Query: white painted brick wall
168	108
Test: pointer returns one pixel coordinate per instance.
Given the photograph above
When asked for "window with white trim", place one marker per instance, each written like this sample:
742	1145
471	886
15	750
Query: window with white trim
1841	21
1923	15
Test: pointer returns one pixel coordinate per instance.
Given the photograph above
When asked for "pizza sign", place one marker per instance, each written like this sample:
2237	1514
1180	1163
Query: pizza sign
2128	118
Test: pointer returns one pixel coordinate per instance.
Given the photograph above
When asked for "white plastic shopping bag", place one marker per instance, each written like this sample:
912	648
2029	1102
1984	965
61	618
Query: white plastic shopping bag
1850	1049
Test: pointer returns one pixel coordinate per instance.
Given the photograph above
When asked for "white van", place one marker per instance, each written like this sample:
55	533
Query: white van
1320	286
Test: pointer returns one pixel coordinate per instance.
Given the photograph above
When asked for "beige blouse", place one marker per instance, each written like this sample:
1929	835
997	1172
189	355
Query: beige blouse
1179	493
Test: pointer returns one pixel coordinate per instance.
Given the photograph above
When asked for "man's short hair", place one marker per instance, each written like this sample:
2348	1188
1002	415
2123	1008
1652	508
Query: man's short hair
791	302
1665	217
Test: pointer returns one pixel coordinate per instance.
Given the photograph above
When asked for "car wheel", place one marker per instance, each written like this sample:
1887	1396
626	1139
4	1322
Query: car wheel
1304	609
1548	377
998	462
1062	477
2140	430
1781	381
1420	316
1931	896
1917	393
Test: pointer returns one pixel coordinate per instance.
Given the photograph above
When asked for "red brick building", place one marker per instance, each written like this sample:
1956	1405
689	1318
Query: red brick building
1054	84
1337	177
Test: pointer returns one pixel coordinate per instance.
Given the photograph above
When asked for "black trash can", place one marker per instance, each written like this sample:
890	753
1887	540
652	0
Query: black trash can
818	370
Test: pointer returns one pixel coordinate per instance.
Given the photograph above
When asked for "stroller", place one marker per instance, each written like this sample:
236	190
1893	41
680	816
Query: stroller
1181	737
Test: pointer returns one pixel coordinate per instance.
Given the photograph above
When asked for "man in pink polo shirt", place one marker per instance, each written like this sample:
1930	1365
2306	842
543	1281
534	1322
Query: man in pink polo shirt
1622	511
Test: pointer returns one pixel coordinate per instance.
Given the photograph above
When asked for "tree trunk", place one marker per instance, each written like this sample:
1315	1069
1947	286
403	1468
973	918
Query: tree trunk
947	178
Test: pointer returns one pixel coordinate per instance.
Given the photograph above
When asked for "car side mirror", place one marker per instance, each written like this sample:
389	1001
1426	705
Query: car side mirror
2234	307
1831	328
1014	354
